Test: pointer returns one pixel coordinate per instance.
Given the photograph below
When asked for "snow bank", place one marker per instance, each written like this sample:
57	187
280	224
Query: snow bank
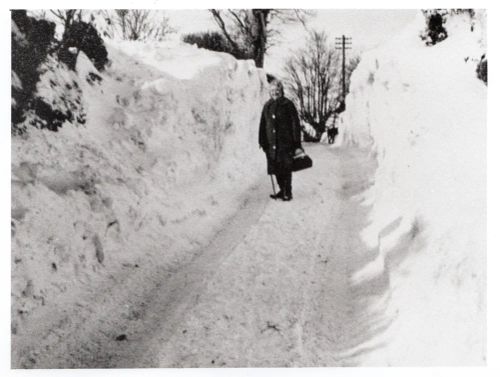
170	134
424	112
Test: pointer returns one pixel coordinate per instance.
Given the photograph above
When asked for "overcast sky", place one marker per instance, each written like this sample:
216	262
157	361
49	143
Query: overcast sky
366	27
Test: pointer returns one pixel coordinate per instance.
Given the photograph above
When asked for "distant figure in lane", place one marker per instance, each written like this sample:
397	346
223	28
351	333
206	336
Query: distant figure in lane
279	137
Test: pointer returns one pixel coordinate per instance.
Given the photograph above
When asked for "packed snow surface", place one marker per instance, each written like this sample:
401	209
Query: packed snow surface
423	112
270	289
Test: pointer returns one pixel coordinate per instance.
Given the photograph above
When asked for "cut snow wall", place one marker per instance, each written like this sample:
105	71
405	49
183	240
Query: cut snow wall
142	181
423	112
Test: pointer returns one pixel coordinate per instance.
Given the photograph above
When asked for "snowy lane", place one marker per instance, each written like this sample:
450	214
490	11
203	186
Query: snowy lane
137	305
271	289
282	297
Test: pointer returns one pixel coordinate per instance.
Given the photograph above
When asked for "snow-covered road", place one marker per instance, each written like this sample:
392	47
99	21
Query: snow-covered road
146	237
271	289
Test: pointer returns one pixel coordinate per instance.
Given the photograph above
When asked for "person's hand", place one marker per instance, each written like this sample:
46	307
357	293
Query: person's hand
298	152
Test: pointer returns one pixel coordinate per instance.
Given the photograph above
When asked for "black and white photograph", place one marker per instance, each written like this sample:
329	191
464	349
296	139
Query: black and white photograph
248	187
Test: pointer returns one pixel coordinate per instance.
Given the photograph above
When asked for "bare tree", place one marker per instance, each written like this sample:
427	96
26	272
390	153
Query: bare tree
67	16
121	15
313	80
252	31
138	23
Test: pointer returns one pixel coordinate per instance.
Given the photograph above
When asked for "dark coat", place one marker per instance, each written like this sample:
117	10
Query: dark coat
279	134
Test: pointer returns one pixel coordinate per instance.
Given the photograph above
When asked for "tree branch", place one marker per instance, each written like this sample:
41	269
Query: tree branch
222	26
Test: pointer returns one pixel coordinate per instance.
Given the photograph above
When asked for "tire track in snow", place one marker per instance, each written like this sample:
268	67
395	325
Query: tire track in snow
274	302
271	289
143	303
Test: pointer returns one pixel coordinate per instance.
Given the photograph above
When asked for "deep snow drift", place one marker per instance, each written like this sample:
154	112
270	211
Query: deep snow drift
423	111
134	185
160	163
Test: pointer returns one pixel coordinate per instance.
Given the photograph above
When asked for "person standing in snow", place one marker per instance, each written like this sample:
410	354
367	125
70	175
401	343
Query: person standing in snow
279	137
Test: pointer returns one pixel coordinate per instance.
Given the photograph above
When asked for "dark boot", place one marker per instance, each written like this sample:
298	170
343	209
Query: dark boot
281	185
278	195
287	185
281	179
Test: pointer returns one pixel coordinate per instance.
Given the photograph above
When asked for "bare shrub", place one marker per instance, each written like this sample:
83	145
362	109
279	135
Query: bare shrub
314	76
214	41
141	24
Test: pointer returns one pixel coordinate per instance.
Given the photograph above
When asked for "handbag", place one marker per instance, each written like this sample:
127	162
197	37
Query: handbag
301	160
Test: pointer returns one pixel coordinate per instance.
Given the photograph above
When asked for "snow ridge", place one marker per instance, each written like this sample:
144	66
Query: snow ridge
423	112
155	158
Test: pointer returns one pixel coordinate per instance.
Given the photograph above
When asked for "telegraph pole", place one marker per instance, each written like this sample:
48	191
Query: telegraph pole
343	43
